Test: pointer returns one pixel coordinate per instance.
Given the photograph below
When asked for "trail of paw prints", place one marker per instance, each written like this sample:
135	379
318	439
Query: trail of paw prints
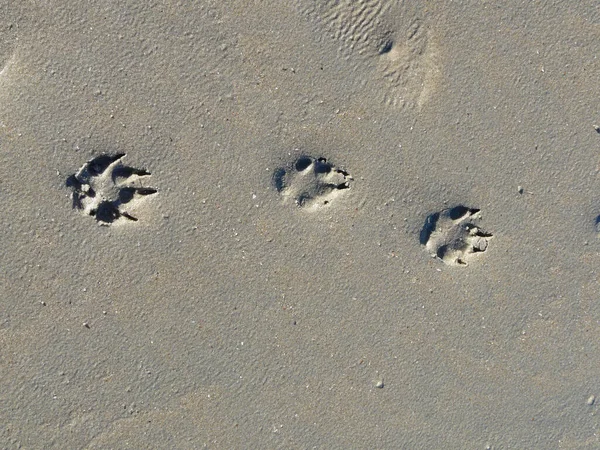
451	235
106	189
311	182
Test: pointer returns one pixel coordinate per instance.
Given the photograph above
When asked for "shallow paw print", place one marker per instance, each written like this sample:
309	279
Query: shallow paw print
106	189
451	236
311	182
396	39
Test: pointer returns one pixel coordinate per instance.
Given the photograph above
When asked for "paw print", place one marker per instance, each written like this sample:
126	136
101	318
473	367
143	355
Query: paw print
104	186
311	182
451	236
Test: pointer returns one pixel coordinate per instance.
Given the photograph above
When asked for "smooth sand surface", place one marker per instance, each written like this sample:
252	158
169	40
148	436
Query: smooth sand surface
227	316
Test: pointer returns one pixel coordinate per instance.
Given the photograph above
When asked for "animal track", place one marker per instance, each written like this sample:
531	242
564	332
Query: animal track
8	39
390	36
103	186
451	236
311	182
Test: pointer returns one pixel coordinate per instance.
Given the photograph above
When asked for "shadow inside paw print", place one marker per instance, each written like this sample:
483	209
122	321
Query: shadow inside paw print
451	236
103	186
311	182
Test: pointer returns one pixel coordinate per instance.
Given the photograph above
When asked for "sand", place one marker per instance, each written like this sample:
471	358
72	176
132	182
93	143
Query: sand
278	289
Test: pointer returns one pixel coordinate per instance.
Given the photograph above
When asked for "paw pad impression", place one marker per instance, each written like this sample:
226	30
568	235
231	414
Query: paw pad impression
106	189
451	235
311	182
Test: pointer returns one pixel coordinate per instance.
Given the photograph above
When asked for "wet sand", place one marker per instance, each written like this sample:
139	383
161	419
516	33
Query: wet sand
299	279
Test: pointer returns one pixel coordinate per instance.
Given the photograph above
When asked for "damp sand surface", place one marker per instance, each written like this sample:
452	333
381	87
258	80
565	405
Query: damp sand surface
366	224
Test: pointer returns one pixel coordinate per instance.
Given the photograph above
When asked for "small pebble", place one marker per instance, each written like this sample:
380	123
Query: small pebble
85	324
379	384
520	189
591	400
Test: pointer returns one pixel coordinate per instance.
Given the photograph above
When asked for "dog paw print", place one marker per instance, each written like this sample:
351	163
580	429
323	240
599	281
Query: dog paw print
452	236
311	182
106	189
